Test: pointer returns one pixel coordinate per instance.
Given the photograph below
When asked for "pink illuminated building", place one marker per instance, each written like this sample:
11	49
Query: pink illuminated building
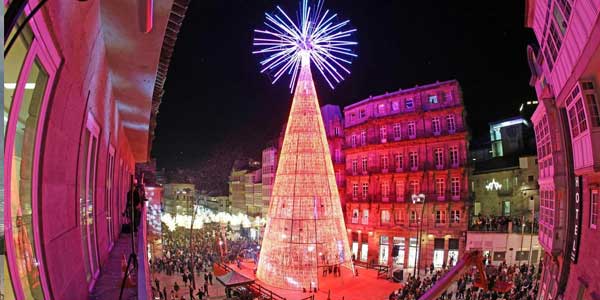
82	86
566	76
397	145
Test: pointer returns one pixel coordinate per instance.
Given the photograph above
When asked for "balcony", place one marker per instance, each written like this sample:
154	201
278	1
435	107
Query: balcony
505	192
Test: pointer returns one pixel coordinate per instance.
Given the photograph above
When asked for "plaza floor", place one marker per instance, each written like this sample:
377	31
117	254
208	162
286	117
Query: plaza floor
365	286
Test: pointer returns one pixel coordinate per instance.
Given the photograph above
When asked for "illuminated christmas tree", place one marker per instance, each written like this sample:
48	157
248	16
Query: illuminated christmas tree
305	229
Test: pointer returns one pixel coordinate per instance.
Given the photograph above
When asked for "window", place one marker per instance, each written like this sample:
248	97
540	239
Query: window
397	131
399	216
336	131
365	217
363	138
440	187
433	99
364	164
365	190
355	216
454	156
565	7
455	216
530	178
573	122
440	217
381	108
451	123
447	96
400	191
395	106
383	134
26	86
412	130
438	155
385	216
337	155
385	191
354	167
87	193
455	188
384	162
594	110
399	162
560	20
412	217
581	116
435	126
362	113
413	160
355	191
109	195
594	209
409	104
414	187
576	112
353	141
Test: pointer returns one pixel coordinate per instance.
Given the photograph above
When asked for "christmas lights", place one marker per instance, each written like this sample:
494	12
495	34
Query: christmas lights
305	230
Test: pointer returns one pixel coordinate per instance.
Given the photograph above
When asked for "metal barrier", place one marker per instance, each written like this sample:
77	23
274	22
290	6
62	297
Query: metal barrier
257	288
264	292
144	289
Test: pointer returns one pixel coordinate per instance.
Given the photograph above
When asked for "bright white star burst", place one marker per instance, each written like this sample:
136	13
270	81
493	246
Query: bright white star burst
328	44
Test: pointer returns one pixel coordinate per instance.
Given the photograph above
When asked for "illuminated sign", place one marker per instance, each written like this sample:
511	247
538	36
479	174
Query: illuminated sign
493	185
578	216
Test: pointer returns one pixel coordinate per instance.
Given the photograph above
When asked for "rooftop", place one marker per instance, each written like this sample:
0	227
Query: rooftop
402	92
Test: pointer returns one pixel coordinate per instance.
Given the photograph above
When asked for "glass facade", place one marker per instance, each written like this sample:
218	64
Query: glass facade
25	83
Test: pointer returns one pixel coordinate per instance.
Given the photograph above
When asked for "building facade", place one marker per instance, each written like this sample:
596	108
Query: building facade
253	192
510	247
397	145
511	136
179	198
242	181
269	169
505	186
333	120
565	70
77	117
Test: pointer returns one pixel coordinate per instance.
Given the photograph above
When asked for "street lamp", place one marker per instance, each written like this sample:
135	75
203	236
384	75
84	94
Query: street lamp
420	198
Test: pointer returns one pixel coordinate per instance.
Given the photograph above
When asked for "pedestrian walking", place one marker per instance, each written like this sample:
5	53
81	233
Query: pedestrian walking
176	288
210	277
191	292
206	289
200	294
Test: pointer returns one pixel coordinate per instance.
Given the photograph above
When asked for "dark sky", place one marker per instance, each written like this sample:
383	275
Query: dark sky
218	107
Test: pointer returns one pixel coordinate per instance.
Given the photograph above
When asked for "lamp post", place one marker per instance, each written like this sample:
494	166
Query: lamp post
420	198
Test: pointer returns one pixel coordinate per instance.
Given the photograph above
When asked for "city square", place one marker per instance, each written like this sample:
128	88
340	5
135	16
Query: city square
301	150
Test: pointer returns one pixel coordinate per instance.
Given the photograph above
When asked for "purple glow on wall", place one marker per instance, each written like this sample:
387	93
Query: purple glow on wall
328	44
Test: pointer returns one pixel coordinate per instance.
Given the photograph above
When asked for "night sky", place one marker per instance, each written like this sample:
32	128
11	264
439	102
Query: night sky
218	107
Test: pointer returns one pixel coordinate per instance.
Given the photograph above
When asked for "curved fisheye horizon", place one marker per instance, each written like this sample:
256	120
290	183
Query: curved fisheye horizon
300	150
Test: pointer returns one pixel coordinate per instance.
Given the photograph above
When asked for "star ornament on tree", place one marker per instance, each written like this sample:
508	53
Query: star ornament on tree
317	37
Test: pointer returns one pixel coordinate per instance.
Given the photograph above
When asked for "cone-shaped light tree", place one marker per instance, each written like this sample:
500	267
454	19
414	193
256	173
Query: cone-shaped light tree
305	229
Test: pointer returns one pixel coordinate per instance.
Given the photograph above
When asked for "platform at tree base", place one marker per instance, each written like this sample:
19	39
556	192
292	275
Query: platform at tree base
365	286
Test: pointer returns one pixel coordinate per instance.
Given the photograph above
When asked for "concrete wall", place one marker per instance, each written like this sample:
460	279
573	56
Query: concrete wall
503	243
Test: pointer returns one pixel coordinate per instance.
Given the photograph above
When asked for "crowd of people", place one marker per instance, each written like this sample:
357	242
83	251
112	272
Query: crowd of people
522	282
500	223
191	263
